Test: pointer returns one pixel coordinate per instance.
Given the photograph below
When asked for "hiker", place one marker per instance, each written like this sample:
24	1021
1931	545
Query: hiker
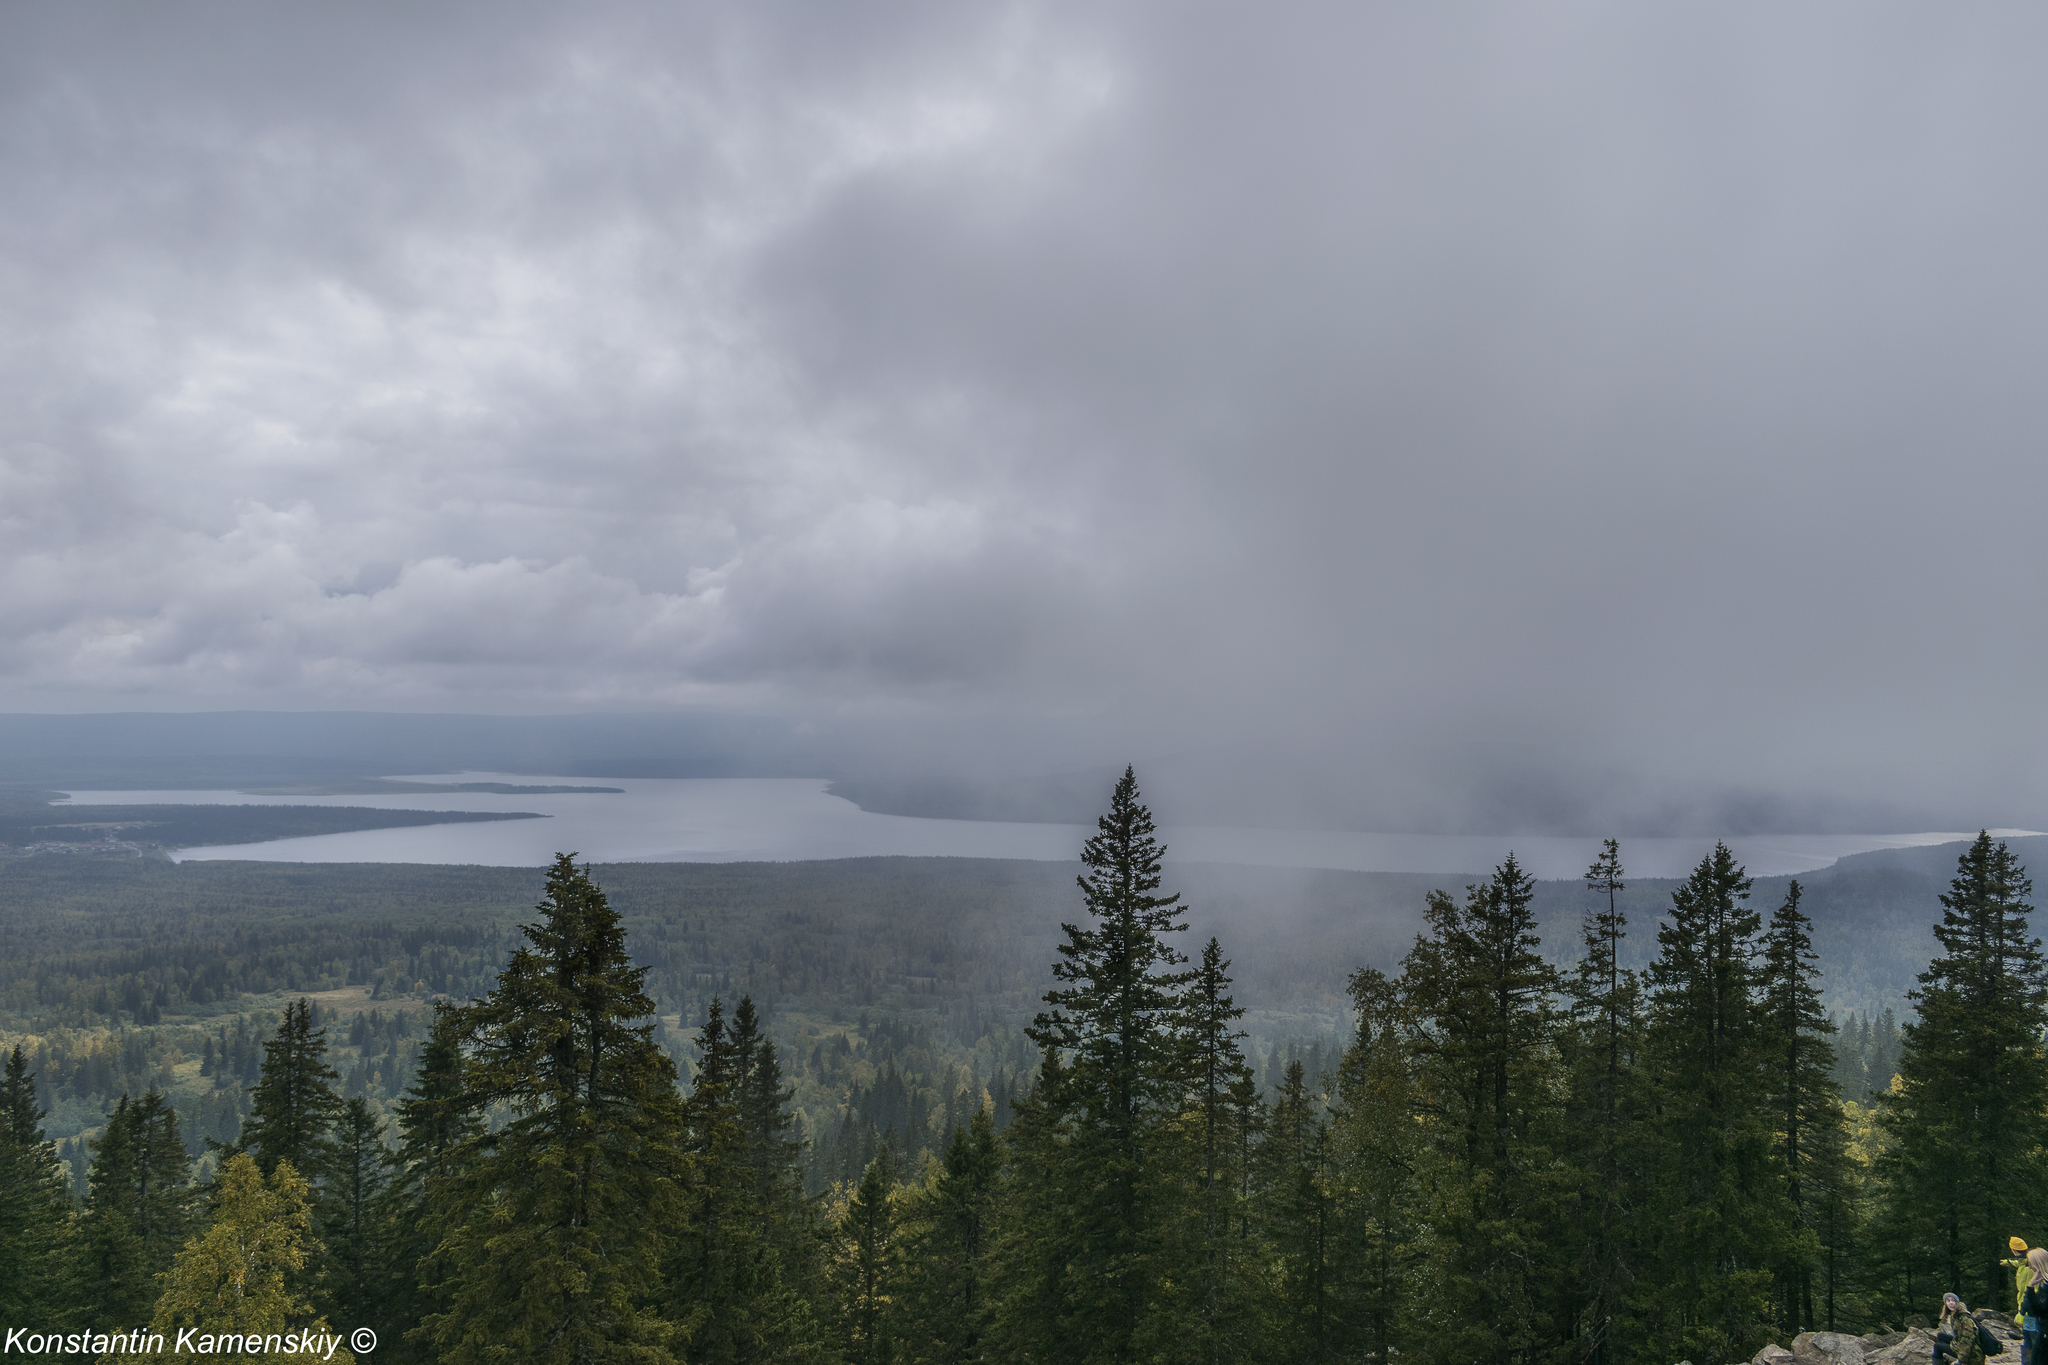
2021	1272
1955	1335
2034	1306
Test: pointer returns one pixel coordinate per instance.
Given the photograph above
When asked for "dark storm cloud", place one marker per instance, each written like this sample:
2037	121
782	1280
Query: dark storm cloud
1573	416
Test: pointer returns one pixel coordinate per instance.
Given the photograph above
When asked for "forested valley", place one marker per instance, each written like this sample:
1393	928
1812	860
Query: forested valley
882	1112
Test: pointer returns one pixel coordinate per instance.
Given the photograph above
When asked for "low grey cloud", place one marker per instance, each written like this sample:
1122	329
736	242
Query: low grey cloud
1565	417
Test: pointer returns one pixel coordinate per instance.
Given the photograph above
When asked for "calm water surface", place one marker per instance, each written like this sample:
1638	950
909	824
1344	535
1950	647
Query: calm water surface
791	819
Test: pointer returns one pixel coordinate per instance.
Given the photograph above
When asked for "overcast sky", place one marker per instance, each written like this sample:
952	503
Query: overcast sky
1649	400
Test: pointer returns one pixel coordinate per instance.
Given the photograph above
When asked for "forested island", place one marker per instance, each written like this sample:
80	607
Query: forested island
28	825
1515	1152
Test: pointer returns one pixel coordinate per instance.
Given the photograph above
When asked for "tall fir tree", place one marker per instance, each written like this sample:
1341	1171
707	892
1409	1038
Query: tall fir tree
947	1233
437	1129
293	1110
1210	1265
38	1228
1966	1162
1836	1192
1804	1100
1604	1042
141	1210
293	1106
360	1286
864	1270
728	1280
1480	993
562	1215
1041	1235
772	1160
1376	1138
1305	1230
1116	1010
1719	1211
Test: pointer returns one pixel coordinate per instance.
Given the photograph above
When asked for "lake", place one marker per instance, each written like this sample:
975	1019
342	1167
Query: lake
794	819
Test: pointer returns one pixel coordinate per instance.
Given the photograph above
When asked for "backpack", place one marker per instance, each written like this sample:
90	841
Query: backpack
1987	1340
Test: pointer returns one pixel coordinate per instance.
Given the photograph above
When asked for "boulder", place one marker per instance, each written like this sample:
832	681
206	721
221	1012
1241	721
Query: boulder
1915	1346
1773	1354
1834	1348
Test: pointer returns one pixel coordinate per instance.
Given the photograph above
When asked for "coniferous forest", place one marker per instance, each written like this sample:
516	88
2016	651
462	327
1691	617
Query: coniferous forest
1648	1144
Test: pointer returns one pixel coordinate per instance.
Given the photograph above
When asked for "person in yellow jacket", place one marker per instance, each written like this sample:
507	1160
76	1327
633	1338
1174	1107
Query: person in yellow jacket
2021	1272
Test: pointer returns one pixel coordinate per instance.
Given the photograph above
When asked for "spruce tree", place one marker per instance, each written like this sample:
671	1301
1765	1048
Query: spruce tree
38	1231
729	1283
561	1216
1719	1211
117	1273
141	1210
1803	1097
1604	1105
1116	1011
1247	1114
1376	1139
1041	1235
1480	992
1211	1267
293	1107
1835	1192
360	1285
773	1152
947	1233
1966	1161
437	1128
864	1271
1305	1228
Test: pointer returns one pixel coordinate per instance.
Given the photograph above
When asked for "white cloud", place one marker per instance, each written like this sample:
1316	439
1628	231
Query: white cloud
1654	388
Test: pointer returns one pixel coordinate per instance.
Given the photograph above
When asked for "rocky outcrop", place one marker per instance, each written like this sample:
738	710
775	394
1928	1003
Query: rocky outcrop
1834	1348
1915	1346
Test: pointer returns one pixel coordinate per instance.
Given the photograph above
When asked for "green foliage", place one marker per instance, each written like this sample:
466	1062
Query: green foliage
1117	1011
1603	1058
1515	1156
293	1107
1478	993
436	1130
1040	1231
1800	1091
1378	1143
141	1209
946	1234
559	1218
1866	1055
864	1272
1715	1201
1966	1162
38	1231
1305	1228
237	1278
1211	1267
739	1271
351	1212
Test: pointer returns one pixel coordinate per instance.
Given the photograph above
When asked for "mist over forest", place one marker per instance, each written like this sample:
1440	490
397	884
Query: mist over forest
620	623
